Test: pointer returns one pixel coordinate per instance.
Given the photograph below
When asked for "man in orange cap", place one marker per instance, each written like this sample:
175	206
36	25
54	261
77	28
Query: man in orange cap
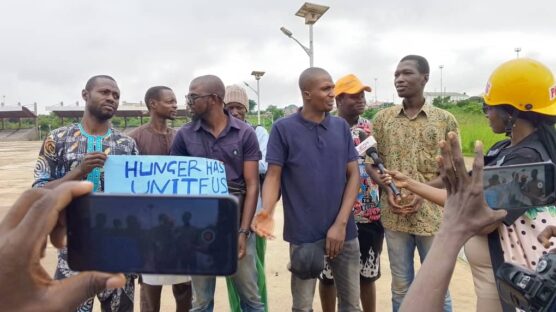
351	103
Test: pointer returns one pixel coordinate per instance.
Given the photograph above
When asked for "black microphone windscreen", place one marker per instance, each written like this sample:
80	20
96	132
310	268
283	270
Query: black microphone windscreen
371	150
362	136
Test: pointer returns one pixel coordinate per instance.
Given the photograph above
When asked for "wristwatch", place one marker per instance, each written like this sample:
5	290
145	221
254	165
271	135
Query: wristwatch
247	232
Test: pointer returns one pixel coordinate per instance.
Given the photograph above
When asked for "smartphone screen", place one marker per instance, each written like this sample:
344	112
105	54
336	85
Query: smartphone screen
153	234
519	186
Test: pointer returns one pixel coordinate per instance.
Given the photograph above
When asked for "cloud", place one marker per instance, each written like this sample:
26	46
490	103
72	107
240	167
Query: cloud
50	48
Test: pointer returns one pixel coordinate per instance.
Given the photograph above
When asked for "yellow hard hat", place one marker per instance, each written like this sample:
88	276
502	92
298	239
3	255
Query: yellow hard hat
524	84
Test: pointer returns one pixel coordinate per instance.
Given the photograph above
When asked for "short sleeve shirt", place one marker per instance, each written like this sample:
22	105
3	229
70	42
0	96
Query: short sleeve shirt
410	145
314	159
237	143
150	142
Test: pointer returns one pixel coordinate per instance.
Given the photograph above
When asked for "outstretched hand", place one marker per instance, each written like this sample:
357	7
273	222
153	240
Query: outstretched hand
263	224
26	286
465	211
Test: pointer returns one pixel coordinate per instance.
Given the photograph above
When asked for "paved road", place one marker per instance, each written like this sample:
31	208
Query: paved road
17	160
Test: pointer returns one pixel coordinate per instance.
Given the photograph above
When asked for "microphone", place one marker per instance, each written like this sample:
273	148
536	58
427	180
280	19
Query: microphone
373	153
366	143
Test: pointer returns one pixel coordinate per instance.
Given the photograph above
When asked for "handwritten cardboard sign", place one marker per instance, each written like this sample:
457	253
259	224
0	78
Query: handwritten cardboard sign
164	175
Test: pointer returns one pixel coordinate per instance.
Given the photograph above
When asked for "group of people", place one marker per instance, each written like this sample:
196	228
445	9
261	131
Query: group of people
334	219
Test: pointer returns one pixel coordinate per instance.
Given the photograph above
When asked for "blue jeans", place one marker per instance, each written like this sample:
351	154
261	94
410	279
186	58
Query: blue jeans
245	281
345	269
401	250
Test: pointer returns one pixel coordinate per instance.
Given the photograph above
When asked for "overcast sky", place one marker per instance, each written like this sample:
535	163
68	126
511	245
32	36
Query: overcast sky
50	48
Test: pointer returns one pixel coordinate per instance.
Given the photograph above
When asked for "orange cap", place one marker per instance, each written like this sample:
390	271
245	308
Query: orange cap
350	84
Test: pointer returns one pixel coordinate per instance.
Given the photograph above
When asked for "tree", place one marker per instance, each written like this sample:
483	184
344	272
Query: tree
252	105
275	111
442	102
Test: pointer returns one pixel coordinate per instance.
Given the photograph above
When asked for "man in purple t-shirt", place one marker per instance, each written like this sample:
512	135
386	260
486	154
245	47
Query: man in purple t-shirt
312	159
215	134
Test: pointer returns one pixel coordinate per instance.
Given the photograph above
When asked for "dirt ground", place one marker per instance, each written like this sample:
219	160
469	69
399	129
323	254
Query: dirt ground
17	160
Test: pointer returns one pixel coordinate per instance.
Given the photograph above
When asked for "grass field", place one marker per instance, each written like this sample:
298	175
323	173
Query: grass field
474	127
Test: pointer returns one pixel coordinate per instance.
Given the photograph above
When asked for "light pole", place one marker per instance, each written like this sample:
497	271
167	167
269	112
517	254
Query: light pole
257	93
257	75
517	50
441	90
375	92
311	13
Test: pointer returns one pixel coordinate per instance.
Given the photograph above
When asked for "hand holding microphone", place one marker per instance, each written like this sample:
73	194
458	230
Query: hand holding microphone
367	147
394	200
373	153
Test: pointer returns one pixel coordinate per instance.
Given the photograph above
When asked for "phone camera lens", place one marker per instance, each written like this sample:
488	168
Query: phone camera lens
208	236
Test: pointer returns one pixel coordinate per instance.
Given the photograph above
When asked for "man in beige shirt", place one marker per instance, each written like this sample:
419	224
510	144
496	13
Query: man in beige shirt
408	137
155	138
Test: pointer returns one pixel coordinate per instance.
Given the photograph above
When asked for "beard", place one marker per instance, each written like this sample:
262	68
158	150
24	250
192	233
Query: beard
99	114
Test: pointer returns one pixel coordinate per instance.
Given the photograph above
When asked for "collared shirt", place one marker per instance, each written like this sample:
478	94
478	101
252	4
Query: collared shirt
410	145
237	143
64	149
150	142
314	158
262	138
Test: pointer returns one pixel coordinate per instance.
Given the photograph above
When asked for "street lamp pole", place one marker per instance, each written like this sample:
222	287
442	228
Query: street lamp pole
441	90
257	75
311	13
311	49
517	50
376	101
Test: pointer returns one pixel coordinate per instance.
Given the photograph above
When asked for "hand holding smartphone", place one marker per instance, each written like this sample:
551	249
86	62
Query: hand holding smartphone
159	234
517	188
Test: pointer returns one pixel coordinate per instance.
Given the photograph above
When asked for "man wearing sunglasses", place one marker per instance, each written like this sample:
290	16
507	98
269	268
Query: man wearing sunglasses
215	134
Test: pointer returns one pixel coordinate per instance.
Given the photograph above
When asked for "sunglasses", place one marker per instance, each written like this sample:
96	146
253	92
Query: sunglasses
191	98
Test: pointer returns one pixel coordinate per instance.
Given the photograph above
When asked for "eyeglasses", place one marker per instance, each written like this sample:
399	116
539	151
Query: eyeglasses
191	98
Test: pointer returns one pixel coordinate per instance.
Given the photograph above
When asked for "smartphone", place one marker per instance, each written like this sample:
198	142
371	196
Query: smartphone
517	188
158	234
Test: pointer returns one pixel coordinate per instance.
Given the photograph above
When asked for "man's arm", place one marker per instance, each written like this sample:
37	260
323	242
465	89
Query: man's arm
465	215
263	223
336	234
48	162
90	161
251	176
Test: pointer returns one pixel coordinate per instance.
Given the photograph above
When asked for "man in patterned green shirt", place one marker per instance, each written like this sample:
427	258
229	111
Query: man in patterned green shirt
408	137
78	152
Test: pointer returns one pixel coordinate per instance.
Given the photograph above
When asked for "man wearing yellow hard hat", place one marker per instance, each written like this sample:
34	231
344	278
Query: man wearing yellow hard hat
351	103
